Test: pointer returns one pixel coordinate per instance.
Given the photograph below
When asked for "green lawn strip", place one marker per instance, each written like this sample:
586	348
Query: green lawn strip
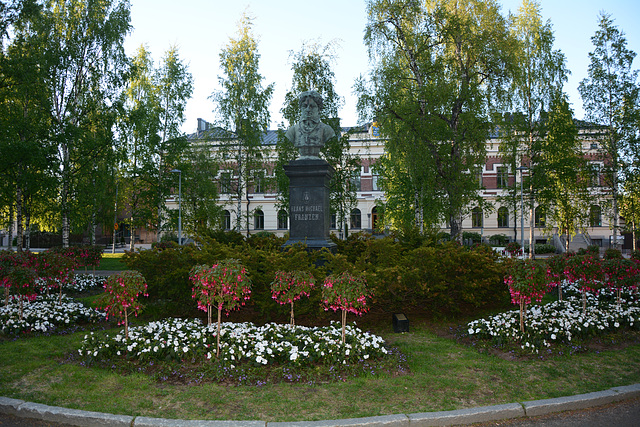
112	262
444	375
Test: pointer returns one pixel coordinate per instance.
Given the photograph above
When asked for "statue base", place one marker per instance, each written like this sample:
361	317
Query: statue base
309	214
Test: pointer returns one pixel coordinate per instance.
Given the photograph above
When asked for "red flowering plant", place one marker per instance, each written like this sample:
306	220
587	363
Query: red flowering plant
513	249
620	273
345	292
225	285
6	263
556	266
23	280
585	271
290	286
55	269
120	298
527	281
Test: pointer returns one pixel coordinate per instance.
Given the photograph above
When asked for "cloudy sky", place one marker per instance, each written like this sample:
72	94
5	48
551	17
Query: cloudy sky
201	28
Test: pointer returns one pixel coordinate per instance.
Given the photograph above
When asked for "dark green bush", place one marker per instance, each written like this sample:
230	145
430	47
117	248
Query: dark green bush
611	253
474	237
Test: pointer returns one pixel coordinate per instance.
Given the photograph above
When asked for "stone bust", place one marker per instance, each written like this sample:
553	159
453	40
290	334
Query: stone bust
309	134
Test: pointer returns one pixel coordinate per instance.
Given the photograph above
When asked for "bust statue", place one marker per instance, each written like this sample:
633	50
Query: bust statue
309	134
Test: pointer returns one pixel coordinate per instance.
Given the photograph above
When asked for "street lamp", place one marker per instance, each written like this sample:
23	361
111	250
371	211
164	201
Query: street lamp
522	169
178	171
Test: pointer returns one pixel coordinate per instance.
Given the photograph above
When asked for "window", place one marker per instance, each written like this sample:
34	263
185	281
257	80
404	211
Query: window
375	217
258	183
503	217
595	174
476	217
540	217
226	220
258	220
479	176
374	183
595	216
503	177
356	219
355	181
334	221
283	219
225	183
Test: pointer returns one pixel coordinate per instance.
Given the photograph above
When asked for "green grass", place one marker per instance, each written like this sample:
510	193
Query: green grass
444	375
112	262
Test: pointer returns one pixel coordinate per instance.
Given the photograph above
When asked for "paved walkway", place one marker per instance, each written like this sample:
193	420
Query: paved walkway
521	411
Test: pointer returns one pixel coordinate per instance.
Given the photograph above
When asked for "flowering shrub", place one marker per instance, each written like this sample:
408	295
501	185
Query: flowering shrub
181	339
586	271
556	266
562	321
288	287
527	280
347	293
513	249
44	314
121	296
223	285
620	273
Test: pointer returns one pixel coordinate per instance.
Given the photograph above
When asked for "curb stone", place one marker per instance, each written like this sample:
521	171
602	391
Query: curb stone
20	408
468	416
381	421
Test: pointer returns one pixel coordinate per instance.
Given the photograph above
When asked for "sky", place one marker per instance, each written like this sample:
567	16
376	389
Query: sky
202	28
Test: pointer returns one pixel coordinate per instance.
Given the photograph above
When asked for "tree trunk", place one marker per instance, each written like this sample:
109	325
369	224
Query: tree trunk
292	319
10	242
218	331
64	197
344	324
19	229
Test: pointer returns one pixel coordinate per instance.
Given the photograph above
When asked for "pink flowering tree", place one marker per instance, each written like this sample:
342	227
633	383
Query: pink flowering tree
225	285
620	273
347	293
22	279
527	281
556	266
120	298
55	269
585	271
290	286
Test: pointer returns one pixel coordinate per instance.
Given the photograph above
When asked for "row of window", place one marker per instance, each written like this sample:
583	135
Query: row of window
260	186
477	217
502	176
283	219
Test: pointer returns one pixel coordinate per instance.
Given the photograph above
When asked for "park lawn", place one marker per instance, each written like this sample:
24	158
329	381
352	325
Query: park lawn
443	375
112	262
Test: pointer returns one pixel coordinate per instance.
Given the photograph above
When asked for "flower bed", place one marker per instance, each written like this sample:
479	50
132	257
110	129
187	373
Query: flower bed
79	283
562	321
178	339
44	314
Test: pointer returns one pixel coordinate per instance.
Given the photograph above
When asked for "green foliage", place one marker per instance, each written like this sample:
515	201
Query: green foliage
422	55
611	253
474	237
499	240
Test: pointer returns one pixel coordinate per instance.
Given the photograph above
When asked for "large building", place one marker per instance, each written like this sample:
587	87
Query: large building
365	142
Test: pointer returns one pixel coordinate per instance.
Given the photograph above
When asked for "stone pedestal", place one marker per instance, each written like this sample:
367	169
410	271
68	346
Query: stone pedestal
309	214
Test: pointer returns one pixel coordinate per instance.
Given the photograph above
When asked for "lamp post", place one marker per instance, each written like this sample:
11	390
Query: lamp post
522	169
178	171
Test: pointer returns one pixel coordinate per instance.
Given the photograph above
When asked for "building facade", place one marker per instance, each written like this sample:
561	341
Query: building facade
365	142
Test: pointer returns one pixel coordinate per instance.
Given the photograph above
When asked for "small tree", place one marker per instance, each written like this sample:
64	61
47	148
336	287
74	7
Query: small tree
619	273
556	272
224	285
288	287
527	281
345	292
55	269
121	296
586	271
22	278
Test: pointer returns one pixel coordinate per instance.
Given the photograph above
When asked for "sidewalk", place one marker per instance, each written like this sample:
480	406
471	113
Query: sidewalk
484	414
